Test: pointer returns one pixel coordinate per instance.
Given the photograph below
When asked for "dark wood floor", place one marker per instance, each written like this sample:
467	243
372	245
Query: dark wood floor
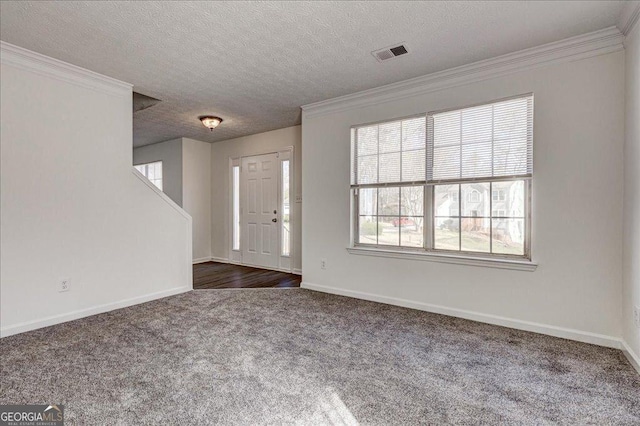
223	275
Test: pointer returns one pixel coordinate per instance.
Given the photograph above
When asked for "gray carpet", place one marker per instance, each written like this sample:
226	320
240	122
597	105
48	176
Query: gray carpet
296	356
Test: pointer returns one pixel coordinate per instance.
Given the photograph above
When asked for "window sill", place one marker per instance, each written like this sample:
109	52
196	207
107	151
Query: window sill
518	265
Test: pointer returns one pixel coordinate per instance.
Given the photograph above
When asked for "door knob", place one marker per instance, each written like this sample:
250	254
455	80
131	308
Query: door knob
274	220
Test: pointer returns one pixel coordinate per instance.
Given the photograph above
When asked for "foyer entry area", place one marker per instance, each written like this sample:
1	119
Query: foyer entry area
215	275
261	212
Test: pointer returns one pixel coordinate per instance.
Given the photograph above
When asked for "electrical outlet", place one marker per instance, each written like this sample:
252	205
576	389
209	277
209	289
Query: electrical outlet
64	284
636	316
323	263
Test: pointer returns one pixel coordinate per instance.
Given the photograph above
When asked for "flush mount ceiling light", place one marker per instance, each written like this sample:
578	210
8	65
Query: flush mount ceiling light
210	122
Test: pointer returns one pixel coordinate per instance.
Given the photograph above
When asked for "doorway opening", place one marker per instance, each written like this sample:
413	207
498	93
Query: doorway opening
261	210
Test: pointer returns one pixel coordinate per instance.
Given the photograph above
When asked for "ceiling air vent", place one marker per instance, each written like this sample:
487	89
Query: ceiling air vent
390	52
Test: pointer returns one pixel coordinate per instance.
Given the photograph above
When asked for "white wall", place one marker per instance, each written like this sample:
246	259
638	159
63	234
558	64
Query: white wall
196	193
71	205
170	153
631	270
261	143
186	179
577	204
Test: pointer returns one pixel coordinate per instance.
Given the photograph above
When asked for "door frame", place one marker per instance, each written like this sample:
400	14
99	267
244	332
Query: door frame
285	263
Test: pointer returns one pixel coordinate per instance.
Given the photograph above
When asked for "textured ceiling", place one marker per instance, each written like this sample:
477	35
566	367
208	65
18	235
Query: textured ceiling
255	64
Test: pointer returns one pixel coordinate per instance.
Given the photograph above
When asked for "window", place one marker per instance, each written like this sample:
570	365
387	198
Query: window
286	210
498	195
153	172
453	181
388	180
236	208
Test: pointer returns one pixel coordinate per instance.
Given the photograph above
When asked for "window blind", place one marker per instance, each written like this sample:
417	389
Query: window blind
483	142
391	152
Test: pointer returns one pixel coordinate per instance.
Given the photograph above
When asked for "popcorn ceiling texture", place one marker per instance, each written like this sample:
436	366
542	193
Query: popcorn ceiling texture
254	64
296	356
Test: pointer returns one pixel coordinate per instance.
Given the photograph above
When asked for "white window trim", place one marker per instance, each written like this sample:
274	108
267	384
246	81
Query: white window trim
502	261
443	257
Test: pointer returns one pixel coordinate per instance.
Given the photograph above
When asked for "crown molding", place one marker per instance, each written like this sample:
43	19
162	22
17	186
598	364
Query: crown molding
584	46
629	17
28	60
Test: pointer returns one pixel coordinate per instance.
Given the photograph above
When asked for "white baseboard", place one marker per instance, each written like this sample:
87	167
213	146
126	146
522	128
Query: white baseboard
225	260
211	259
565	333
57	319
633	358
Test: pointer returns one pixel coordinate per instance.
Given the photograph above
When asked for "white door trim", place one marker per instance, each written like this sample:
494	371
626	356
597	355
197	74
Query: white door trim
235	256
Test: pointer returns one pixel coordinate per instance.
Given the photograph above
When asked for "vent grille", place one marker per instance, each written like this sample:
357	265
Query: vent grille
390	52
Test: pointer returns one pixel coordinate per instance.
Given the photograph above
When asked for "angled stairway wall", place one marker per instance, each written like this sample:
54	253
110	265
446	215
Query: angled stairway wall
72	206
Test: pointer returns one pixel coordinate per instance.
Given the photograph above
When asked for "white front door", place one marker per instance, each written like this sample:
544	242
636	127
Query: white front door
259	207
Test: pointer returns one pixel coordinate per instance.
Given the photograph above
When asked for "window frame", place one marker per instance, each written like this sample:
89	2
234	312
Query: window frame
429	206
429	220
